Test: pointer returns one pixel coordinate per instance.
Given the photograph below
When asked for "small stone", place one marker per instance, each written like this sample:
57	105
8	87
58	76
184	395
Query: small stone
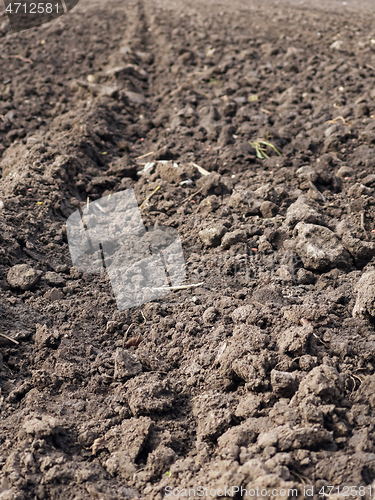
23	276
322	381
336	45
134	435
226	136
294	340
246	200
241	314
54	295
209	315
58	267
283	274
128	69
170	172
284	383
305	277
159	459
149	394
46	426
264	245
362	251
87	437
145	57
209	204
267	439
268	209
45	337
126	365
365	304
319	248
345	172
358	190
267	295
212	235
210	184
307	173
249	406
232	238
307	362
213	418
304	209
99	90
122	167
361	110
134	97
54	279
369	180
266	193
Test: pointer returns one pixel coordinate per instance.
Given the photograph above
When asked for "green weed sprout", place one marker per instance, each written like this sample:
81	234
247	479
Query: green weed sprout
260	146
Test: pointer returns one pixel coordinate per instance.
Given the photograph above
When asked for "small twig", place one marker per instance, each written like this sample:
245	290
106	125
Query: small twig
144	156
24	59
354	378
144	318
87	203
126	334
100	208
334	121
320	340
9	338
128	343
300	477
363	223
182	287
321	195
192	195
184	86
200	169
150	195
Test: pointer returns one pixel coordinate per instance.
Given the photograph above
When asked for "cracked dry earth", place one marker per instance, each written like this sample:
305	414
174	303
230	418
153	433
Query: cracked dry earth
262	377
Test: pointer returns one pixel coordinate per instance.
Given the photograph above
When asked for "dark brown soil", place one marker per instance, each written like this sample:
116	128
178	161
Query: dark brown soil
262	377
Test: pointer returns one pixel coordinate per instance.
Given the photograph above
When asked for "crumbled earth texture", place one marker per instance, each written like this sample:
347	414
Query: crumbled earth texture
264	375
